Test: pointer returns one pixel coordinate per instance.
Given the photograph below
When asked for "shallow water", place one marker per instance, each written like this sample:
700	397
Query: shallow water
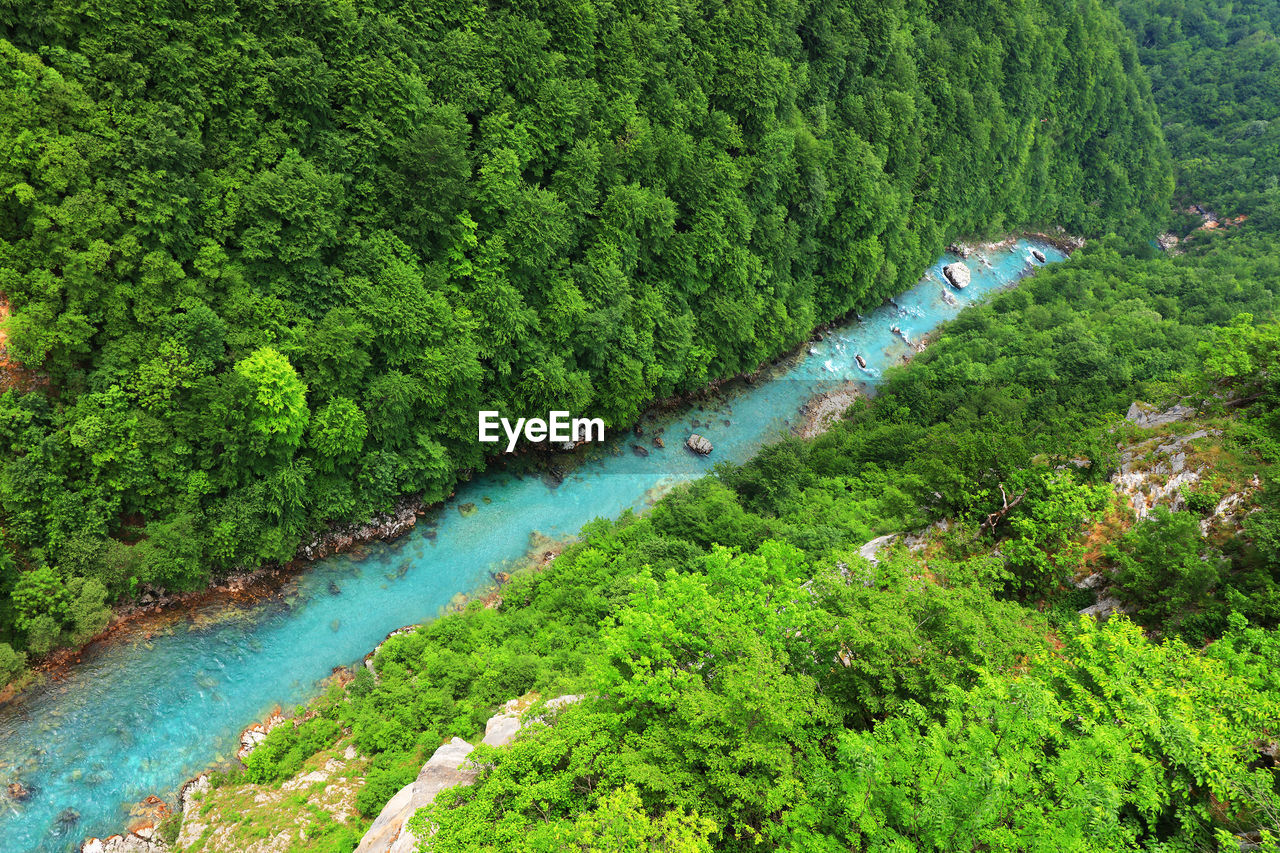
140	716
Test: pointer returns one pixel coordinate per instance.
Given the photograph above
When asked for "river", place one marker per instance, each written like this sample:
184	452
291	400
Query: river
138	716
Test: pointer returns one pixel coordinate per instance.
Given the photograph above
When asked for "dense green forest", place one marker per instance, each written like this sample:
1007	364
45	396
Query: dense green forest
265	260
753	683
1215	70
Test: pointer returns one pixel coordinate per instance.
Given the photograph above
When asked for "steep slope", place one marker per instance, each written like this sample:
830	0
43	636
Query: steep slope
273	256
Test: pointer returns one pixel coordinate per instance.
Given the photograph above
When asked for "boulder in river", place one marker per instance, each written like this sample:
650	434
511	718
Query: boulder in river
639	450
698	444
658	442
957	274
1038	255
17	792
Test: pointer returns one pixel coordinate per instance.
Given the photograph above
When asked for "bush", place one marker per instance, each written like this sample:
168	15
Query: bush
11	662
1160	568
287	747
390	772
43	633
1200	501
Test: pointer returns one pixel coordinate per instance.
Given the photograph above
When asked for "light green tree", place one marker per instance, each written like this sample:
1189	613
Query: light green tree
279	403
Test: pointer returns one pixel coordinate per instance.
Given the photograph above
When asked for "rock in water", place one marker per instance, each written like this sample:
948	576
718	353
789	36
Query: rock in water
1038	255
698	444
957	274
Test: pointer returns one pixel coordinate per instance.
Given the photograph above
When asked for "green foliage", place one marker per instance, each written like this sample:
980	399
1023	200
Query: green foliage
43	633
621	824
384	779
11	662
287	746
88	611
1118	744
1166	569
40	593
264	259
1215	68
279	407
1201	501
1042	551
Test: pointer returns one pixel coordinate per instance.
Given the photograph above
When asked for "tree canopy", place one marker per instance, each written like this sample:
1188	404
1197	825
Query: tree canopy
267	258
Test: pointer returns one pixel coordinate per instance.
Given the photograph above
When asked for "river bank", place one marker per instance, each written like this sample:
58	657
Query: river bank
154	605
151	707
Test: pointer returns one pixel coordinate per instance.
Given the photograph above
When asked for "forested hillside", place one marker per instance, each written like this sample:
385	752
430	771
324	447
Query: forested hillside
753	683
752	680
1215	70
266	259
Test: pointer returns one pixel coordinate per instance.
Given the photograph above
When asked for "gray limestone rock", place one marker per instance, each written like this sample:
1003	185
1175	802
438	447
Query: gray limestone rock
698	444
958	274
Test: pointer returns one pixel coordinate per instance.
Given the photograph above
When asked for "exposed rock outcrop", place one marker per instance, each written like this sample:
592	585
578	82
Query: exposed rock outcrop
1232	508
698	444
1104	608
869	551
255	734
916	541
958	274
1145	415
448	766
141	841
381	526
1154	472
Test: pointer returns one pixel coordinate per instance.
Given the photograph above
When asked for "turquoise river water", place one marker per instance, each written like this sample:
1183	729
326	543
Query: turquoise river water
139	716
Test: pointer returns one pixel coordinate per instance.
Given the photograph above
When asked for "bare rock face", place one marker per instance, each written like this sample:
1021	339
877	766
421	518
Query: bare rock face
1147	416
381	526
958	274
141	841
448	766
253	736
698	444
869	551
1106	606
1153	472
1232	508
